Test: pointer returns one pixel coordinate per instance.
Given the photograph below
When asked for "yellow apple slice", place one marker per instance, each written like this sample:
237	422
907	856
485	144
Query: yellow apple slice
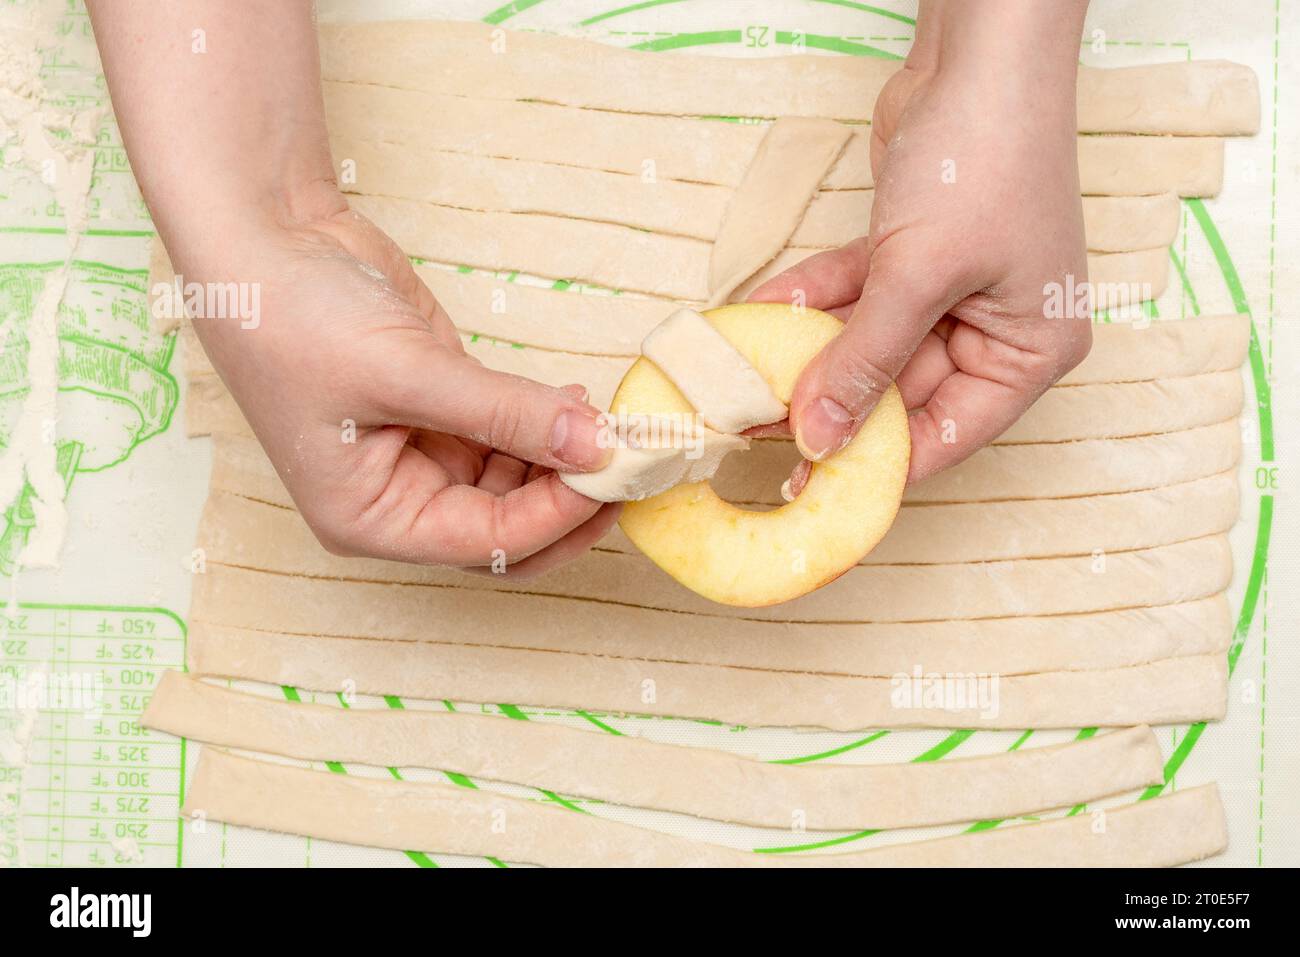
739	557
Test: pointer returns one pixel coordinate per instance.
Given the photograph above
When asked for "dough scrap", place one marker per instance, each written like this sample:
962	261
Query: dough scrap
1163	575
704	151
768	205
1169	691
639	471
1006	646
639	772
728	393
1207	97
402	815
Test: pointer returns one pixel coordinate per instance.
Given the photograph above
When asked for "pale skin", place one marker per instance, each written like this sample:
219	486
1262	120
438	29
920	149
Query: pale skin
976	209
452	464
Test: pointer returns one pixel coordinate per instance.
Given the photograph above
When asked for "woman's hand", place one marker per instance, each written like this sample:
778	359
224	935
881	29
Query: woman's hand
976	214
392	441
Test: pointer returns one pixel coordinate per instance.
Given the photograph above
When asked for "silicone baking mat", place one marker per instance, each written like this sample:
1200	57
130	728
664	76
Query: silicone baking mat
81	783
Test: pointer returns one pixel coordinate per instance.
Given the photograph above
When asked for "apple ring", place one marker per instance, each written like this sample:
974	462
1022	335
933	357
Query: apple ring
735	556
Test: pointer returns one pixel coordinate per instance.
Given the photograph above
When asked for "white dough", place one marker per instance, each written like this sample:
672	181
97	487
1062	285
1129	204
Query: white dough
642	468
1186	826
1168	691
727	392
638	772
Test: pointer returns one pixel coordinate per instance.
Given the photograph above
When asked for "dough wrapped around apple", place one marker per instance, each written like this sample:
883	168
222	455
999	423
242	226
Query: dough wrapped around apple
736	367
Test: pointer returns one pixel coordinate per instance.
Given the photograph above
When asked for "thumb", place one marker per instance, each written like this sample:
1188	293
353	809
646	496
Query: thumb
447	391
901	300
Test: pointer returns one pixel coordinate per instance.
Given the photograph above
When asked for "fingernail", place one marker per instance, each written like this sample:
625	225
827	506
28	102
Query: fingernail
786	493
824	429
576	440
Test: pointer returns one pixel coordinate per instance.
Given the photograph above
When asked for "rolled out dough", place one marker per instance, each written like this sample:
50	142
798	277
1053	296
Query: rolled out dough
1082	411
1097	466
1121	410
476	60
703	151
638	772
672	267
1170	691
1100	640
673	207
401	815
1163	575
1054	470
241	531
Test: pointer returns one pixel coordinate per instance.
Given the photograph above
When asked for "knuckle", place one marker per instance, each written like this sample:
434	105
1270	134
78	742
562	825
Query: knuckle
506	422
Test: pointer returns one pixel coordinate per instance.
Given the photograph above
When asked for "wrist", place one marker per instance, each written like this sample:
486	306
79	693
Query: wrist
1022	48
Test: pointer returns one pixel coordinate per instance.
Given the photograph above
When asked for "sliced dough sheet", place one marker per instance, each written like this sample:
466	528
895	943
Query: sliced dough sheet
1123	223
1062	469
1183	827
1209	97
768	205
614	325
476	60
1092	641
676	207
1091	411
1145	165
701	150
1121	410
687	149
605	254
1162	349
619	257
1056	470
1173	690
1163	575
248	533
1119	280
636	772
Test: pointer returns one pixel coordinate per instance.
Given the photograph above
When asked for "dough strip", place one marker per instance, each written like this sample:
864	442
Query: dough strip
1092	411
618	257
1164	575
1169	691
703	151
673	207
1090	641
1207	97
1185	826
245	532
638	772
